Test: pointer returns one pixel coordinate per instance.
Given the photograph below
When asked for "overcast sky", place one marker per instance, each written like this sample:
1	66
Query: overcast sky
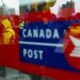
15	4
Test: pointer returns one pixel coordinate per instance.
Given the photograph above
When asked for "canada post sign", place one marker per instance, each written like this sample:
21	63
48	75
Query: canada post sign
42	44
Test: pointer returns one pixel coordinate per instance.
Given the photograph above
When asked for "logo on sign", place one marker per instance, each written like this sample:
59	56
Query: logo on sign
72	48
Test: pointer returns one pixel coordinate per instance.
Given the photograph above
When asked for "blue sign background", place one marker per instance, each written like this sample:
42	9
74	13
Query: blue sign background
53	56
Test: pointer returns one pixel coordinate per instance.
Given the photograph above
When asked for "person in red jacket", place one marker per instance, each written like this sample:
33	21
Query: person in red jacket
42	13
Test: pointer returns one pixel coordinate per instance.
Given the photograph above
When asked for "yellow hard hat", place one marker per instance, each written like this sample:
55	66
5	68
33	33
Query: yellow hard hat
6	23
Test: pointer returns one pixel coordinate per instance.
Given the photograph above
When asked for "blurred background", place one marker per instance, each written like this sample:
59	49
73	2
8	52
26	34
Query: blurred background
11	7
12	74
